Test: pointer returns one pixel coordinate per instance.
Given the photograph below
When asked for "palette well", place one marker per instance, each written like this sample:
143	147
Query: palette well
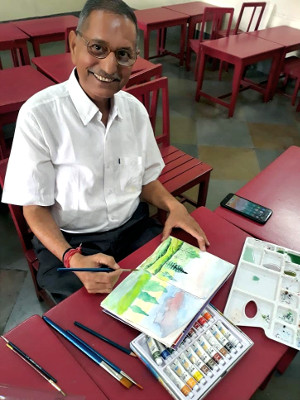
213	346
265	291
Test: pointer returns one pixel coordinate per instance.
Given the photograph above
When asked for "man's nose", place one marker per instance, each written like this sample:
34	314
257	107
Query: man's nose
110	64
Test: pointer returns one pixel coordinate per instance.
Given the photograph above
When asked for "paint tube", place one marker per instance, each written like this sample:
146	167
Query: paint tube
204	356
196	374
217	345
154	350
228	334
184	375
194	359
207	315
178	382
222	339
210	350
164	351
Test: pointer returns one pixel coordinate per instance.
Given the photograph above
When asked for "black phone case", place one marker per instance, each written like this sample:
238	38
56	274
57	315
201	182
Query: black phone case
228	197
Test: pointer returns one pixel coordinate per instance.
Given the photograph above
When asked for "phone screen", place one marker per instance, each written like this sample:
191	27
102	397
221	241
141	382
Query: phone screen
240	204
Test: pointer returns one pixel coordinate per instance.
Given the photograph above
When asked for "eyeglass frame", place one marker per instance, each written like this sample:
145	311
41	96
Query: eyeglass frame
86	41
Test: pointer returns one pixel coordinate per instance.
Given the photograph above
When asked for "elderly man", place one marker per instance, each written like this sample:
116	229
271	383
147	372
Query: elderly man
83	155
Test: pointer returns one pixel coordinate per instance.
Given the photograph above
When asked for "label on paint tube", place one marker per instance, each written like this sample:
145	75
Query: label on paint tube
210	350
196	374
154	350
178	382
217	345
222	339
183	374
192	356
228	334
204	356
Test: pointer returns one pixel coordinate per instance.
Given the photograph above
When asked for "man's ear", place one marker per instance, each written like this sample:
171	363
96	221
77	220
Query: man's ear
72	45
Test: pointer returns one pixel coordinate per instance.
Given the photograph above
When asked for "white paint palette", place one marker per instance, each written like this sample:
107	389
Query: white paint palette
265	291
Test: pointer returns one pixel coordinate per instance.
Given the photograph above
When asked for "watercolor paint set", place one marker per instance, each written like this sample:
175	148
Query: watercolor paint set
266	291
212	347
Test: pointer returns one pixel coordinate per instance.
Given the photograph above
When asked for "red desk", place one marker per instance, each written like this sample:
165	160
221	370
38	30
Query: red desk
227	242
194	10
44	30
278	188
15	40
240	50
284	35
59	66
17	85
158	19
35	338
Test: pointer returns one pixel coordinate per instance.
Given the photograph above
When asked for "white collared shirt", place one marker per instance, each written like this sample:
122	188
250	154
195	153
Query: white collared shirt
63	156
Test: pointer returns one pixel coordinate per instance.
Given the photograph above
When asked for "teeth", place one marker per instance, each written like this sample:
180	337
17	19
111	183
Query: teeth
102	79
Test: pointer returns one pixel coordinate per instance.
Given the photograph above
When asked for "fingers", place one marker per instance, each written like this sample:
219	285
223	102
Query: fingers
99	282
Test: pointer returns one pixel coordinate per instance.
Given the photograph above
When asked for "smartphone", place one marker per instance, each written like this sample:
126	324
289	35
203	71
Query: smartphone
247	208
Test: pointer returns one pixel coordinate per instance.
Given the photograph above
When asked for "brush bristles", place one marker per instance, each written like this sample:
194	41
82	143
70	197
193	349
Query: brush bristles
125	382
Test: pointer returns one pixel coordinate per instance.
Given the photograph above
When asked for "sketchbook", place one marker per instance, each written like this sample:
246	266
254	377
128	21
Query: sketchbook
164	295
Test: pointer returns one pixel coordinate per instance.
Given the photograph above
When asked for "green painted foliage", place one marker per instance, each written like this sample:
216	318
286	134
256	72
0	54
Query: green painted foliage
175	245
154	286
138	310
147	297
159	252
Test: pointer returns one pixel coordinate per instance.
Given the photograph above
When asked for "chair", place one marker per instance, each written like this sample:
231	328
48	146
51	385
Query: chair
255	19
291	70
17	85
213	19
25	236
181	171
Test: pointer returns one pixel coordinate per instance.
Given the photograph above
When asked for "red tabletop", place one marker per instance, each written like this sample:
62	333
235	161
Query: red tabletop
240	50
284	35
12	38
227	242
45	26
193	8
278	188
17	85
158	15
9	32
40	343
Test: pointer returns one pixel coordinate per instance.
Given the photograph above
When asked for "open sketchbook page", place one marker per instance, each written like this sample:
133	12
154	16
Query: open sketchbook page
169	288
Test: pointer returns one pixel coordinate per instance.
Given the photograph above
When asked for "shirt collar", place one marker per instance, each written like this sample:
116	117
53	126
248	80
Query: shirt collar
84	106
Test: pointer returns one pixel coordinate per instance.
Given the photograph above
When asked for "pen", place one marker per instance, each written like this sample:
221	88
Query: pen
105	339
112	365
100	269
33	365
99	361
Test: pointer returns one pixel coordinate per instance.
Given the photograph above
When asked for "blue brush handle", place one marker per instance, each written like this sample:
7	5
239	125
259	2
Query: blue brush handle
83	343
100	269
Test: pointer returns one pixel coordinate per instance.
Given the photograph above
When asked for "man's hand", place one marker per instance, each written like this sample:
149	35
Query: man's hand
96	282
180	218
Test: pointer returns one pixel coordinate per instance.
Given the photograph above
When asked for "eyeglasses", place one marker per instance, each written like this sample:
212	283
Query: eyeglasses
99	49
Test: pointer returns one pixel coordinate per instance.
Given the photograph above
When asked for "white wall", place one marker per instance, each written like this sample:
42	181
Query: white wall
278	12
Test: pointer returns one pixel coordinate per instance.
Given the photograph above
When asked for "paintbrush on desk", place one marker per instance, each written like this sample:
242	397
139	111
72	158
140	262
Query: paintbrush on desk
99	361
105	339
115	367
33	364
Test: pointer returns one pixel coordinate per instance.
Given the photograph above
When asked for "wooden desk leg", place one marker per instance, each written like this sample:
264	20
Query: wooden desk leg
146	43
36	47
182	42
14	56
237	77
277	62
24	55
203	189
200	75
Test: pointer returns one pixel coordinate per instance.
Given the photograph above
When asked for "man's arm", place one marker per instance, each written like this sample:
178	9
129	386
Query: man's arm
46	230
156	194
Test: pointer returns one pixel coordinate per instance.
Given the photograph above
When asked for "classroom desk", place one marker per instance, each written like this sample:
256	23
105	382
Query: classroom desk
226	242
40	343
158	19
15	40
44	30
240	50
284	35
276	187
194	10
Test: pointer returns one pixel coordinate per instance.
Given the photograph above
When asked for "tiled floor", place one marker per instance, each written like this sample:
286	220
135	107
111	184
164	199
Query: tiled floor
237	148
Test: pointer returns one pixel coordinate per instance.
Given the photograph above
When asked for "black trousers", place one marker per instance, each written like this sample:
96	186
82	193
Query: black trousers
118	243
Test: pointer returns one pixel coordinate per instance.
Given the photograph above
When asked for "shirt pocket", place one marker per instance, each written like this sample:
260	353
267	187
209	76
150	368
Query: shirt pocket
130	174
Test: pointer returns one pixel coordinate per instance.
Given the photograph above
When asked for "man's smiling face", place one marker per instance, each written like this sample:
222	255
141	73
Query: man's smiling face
102	78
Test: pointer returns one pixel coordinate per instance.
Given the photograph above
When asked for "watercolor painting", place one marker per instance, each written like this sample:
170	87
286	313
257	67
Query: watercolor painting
168	289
